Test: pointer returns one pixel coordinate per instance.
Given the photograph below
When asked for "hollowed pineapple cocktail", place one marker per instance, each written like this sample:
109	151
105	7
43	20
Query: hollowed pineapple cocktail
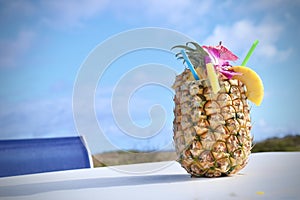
212	115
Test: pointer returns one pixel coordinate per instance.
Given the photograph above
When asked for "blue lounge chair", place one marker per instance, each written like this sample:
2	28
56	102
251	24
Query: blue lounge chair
29	156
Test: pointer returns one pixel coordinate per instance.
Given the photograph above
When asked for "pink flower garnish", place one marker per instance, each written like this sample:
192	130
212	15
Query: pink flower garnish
228	73
221	52
221	56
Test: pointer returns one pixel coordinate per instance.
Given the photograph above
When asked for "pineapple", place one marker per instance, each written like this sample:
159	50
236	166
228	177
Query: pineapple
212	129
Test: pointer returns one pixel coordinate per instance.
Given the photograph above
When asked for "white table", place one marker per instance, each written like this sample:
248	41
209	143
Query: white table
267	176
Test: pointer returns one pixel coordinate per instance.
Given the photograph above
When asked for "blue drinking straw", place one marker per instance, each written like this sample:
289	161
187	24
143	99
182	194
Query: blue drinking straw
187	60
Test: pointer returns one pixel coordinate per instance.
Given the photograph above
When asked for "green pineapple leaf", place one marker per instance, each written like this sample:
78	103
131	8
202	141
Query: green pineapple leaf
195	53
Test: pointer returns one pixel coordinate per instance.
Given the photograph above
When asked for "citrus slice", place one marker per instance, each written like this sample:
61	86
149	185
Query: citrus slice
253	83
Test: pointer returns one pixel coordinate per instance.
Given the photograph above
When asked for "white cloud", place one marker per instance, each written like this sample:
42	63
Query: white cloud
115	132
179	14
12	49
8	9
40	118
66	14
239	36
263	129
274	4
133	101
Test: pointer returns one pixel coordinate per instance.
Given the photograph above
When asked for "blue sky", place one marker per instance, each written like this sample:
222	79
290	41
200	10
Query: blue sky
44	43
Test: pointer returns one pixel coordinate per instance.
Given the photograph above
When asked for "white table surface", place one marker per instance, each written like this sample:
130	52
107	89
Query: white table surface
267	176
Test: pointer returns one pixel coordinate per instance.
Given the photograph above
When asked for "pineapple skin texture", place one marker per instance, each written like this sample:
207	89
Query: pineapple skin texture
211	131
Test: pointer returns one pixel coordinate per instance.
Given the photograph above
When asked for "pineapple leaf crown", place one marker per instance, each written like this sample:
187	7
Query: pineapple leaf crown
196	55
218	55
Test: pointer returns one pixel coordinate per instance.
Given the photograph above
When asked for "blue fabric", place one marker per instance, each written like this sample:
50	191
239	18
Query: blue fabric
28	156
